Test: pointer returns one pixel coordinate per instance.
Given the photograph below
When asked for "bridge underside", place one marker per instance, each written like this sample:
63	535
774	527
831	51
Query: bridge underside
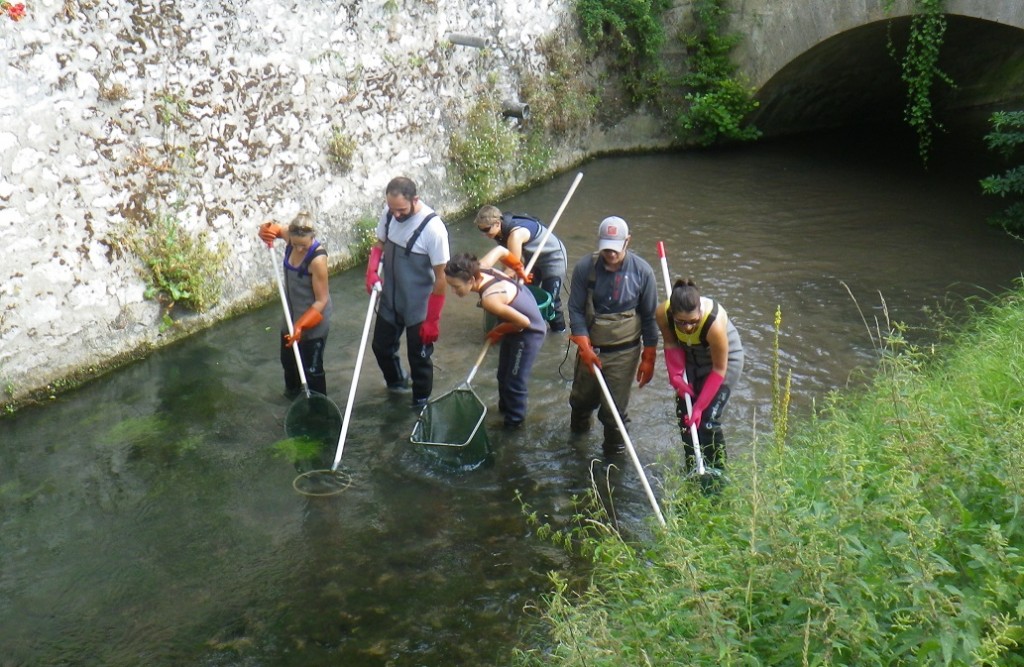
852	79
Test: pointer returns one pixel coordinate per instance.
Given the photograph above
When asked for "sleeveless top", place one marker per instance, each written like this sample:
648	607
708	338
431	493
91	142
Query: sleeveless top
553	258
696	343
523	302
298	287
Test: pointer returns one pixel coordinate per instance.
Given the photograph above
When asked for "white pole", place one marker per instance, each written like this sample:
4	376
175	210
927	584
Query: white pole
698	455
629	443
288	319
554	221
355	376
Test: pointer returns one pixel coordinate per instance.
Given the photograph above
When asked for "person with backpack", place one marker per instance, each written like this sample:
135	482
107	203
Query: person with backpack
309	301
612	301
521	234
520	329
412	242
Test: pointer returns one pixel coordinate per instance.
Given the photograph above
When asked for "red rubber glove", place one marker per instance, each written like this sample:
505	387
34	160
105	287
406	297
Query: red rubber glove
645	371
430	329
675	361
498	332
309	319
586	351
376	253
707	393
268	232
516	264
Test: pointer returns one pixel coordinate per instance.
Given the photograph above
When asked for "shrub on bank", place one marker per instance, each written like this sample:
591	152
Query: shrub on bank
888	530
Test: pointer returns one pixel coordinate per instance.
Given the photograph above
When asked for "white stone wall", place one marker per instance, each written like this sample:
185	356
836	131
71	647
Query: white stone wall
260	84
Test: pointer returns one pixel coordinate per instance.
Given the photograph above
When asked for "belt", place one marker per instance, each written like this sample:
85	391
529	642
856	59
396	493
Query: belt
608	349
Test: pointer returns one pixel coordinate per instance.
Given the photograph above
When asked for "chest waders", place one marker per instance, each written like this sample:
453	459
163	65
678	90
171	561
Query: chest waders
698	367
408	281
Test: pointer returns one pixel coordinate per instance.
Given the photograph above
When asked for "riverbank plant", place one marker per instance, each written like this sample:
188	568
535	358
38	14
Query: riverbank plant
491	151
887	529
717	102
632	33
1005	138
177	267
920	71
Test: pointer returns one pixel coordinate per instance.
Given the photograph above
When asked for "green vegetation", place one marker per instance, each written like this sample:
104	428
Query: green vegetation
561	101
633	33
920	68
491	153
365	229
296	450
1006	137
717	101
178	268
888	530
340	150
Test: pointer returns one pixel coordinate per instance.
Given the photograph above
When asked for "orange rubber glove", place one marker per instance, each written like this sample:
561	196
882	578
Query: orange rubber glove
498	332
586	351
516	264
309	319
376	252
645	371
268	232
430	329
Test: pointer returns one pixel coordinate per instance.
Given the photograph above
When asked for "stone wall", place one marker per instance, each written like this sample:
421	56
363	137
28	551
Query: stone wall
220	111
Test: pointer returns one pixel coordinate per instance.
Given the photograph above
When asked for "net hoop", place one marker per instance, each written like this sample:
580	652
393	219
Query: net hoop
340	481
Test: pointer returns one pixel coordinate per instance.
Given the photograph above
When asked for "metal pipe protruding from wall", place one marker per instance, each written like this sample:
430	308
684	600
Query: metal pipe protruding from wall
467	40
514	109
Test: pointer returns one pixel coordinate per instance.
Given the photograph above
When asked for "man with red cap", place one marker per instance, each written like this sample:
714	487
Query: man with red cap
613	297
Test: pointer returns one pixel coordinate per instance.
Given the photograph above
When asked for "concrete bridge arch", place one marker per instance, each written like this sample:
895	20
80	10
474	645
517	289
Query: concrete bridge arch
824	63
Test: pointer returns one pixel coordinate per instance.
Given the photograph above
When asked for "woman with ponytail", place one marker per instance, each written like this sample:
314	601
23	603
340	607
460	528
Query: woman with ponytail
701	341
520	328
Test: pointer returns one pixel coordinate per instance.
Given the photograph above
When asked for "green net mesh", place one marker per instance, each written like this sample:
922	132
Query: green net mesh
451	428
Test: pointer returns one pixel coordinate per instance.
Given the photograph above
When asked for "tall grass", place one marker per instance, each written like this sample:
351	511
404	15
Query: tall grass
887	530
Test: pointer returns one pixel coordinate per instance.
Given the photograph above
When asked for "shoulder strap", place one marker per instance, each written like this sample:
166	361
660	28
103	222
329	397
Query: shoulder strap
419	230
708	322
497	275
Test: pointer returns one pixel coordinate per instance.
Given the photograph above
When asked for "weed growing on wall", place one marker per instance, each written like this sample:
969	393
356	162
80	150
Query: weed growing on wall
178	268
1006	138
366	236
633	33
562	102
340	150
484	152
920	69
717	102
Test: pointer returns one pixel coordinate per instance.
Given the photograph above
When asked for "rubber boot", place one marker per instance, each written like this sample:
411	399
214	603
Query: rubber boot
580	421
614	444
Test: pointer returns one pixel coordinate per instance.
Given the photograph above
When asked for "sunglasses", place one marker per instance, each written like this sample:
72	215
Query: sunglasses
484	229
686	323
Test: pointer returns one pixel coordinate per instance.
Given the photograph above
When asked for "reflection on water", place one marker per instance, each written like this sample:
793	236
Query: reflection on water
149	518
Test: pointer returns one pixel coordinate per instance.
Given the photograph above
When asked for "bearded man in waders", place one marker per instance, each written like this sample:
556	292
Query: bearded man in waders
521	235
413	242
612	302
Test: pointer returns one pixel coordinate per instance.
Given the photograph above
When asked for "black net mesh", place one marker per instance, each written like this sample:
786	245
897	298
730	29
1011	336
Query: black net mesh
315	417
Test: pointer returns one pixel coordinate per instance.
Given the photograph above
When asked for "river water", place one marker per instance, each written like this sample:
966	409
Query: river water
147	518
